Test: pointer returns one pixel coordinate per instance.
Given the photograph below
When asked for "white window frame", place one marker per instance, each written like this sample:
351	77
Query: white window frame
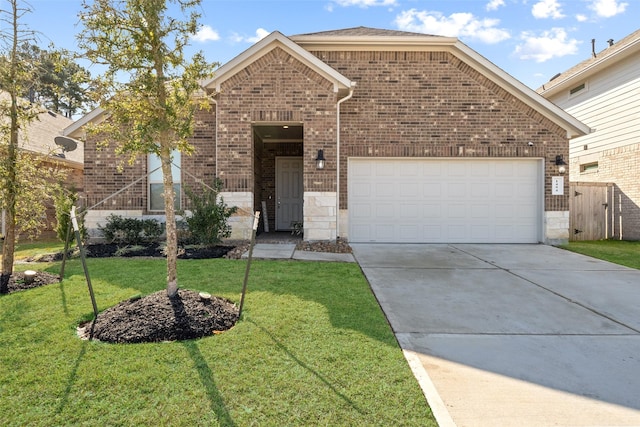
155	177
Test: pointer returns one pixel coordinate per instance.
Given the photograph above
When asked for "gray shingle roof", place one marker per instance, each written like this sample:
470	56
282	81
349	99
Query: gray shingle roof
365	32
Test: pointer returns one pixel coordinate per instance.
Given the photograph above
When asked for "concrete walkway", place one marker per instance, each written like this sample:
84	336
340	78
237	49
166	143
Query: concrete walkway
513	335
288	251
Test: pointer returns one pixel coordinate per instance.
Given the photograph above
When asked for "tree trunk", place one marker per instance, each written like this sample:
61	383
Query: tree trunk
8	248
170	226
11	185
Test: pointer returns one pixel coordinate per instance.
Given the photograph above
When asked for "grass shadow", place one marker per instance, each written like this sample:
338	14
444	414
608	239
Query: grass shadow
308	368
72	378
206	377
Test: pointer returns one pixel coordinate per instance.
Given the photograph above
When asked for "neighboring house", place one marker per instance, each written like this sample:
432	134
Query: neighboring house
423	140
39	139
604	93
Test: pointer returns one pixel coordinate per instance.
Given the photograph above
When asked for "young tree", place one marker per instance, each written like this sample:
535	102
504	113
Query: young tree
152	113
15	75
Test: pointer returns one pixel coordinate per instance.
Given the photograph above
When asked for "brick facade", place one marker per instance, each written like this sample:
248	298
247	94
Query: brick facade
429	104
404	104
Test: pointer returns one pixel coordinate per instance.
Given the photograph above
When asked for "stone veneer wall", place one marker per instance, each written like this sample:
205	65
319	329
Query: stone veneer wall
556	227
320	215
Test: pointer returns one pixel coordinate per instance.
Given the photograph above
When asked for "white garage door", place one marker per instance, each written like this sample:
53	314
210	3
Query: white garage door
445	200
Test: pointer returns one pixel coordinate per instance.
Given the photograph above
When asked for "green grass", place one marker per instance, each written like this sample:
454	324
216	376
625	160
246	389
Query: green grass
27	248
622	252
312	348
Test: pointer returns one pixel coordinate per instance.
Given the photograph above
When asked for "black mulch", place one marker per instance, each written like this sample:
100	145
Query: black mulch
102	250
42	278
157	317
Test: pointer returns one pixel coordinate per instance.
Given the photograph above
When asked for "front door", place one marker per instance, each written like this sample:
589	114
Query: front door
288	192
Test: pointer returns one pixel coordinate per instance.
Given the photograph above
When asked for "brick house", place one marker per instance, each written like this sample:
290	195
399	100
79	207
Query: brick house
423	140
39	140
602	91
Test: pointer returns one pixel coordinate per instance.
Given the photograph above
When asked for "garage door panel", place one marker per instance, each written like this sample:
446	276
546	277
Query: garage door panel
384	190
456	190
480	190
432	210
385	211
410	211
384	232
361	211
385	169
480	232
456	170
445	200
481	212
479	169
457	211
431	189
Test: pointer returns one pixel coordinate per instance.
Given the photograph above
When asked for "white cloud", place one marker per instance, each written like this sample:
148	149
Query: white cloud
494	4
581	18
260	34
205	34
366	3
553	43
463	25
547	9
239	38
608	8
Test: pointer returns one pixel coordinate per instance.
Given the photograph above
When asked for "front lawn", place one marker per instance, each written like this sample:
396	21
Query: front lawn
618	251
312	348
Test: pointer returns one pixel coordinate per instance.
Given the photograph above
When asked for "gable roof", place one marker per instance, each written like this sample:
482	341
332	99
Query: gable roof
38	135
630	45
364	38
272	41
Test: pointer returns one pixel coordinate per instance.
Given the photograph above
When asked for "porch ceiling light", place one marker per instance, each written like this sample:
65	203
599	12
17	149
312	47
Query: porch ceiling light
561	164
320	161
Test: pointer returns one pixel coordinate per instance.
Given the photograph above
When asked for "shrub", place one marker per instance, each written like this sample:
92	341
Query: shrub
207	223
131	231
63	202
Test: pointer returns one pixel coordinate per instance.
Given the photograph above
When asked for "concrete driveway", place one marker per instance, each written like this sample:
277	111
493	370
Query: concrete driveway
513	335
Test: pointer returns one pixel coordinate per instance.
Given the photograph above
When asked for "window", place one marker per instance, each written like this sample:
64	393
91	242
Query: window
589	167
156	196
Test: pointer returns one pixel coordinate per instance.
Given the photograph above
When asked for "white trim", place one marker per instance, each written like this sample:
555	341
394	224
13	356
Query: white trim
267	44
78	124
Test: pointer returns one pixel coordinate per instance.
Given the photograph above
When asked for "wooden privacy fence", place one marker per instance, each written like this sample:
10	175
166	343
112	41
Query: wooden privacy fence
591	211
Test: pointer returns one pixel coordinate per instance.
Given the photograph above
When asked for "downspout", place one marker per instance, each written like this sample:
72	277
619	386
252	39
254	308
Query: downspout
215	102
340	101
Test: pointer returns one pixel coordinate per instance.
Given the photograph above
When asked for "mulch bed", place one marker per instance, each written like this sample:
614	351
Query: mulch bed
42	278
103	250
156	318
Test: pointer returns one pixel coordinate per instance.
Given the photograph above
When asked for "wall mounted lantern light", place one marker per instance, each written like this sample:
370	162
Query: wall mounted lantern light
561	164
320	161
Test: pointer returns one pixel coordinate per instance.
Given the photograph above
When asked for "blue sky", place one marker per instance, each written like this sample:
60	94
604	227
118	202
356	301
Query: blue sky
530	39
